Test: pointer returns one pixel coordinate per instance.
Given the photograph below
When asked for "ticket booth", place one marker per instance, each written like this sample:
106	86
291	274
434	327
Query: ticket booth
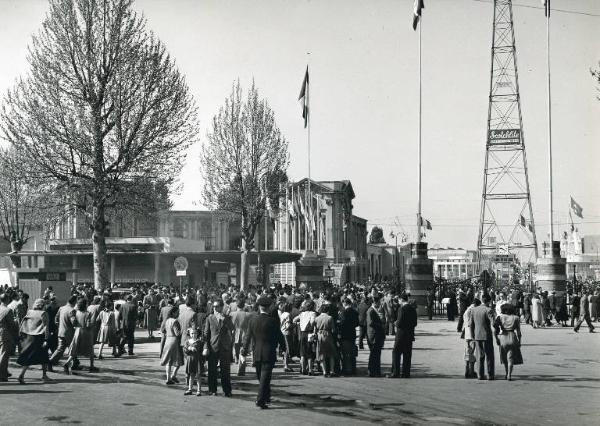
34	282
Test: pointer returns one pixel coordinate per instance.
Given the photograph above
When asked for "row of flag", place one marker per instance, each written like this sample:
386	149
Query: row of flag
310	210
574	208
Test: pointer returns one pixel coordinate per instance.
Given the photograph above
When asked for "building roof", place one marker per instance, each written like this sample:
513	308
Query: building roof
269	257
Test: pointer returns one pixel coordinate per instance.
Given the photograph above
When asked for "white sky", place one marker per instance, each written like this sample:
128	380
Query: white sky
363	63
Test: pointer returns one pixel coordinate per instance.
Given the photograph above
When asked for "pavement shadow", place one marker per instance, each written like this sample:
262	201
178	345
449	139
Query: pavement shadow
29	390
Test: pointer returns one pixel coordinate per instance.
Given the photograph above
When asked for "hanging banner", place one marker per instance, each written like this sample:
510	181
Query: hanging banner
504	136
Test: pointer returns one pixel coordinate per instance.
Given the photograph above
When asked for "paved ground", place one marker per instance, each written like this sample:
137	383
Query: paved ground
558	384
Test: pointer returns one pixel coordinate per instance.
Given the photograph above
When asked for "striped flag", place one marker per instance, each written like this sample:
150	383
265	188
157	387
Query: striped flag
304	97
546	4
419	5
425	223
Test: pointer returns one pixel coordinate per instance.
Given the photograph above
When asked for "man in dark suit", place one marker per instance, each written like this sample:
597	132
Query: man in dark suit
264	330
348	321
218	330
375	336
65	319
128	318
575	308
480	320
405	335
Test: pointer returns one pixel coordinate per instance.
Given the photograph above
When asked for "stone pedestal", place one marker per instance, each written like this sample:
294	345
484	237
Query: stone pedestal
419	276
552	271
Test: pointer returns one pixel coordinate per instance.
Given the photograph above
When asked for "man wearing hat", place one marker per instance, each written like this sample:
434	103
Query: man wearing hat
405	335
264	330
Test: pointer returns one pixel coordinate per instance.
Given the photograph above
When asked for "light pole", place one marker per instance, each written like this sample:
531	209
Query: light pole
394	259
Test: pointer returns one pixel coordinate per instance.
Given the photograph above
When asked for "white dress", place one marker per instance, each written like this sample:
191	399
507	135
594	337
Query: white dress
537	313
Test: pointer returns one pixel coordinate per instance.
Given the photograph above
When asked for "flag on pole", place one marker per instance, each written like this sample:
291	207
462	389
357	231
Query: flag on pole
425	223
576	208
572	224
304	97
417	12
546	4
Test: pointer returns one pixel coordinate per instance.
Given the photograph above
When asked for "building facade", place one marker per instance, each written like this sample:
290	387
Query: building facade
453	263
143	250
315	219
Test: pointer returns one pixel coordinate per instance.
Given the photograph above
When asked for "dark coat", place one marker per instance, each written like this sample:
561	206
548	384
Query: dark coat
362	314
218	334
406	322
348	321
375	330
264	330
128	315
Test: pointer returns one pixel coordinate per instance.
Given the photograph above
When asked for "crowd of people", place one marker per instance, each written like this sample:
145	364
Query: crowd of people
207	330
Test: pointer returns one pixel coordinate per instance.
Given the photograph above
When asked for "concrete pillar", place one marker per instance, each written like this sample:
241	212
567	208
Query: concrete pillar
156	268
419	276
552	271
113	264
75	266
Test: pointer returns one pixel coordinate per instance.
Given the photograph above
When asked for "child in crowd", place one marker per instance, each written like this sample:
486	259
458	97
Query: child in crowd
193	359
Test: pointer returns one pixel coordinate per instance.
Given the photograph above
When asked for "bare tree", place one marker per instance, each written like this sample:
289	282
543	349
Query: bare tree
243	163
102	107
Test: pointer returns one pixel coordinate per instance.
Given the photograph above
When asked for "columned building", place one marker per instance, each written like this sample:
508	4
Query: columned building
316	220
453	263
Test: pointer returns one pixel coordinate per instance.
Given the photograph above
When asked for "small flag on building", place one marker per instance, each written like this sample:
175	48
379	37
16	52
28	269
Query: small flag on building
304	97
546	4
576	208
419	5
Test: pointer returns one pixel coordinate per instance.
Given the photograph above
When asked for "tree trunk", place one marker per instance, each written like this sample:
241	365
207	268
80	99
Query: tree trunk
244	266
99	248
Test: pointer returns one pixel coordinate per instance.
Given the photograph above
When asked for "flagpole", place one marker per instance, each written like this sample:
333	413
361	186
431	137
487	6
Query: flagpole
309	197
420	113
549	122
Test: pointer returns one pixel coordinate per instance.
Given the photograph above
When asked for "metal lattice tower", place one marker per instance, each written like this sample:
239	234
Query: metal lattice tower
506	222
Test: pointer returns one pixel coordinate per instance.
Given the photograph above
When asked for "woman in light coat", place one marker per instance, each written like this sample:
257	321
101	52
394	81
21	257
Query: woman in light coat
537	311
108	328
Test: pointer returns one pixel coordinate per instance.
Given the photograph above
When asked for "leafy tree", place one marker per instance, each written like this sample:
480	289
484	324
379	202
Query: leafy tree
376	236
243	163
102	108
